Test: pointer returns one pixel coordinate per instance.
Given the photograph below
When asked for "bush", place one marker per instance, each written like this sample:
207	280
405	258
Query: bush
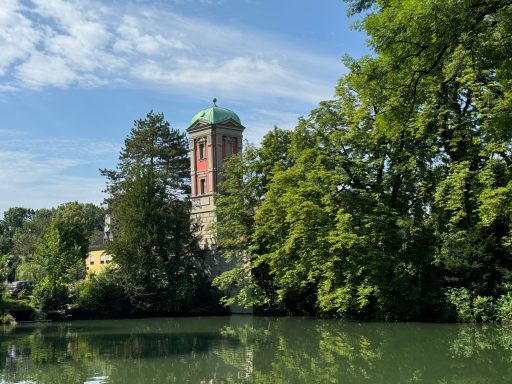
25	294
48	296
7	304
504	308
102	296
469	308
483	309
460	300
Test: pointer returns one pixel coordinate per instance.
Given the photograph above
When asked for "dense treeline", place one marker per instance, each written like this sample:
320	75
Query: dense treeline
391	201
158	265
49	247
394	200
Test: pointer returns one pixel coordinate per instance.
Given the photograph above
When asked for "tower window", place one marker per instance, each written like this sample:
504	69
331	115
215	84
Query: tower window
202	150
202	183
228	147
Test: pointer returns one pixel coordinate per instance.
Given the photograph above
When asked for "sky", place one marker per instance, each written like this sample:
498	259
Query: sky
75	74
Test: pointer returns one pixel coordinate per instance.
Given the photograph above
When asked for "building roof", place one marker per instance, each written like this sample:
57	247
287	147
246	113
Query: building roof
214	115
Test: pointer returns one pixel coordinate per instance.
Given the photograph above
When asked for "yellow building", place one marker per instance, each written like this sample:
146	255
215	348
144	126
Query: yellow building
97	260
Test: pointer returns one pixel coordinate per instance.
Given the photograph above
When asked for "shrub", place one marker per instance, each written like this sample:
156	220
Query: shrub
504	308
460	300
483	309
470	308
48	296
103	296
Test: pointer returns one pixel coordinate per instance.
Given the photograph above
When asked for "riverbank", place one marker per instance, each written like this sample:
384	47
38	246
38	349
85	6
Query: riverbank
12	310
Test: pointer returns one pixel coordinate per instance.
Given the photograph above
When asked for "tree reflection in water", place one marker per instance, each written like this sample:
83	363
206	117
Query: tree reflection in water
254	349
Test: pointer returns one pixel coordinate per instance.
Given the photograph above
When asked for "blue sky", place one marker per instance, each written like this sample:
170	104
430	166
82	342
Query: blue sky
75	74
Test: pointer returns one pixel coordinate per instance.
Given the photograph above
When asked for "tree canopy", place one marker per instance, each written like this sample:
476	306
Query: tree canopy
160	264
397	194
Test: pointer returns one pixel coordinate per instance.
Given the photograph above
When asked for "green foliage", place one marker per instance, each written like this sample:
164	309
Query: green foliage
26	227
396	195
27	238
61	252
504	308
160	265
152	143
245	182
469	307
5	269
12	223
460	299
58	261
102	295
7	318
49	295
14	304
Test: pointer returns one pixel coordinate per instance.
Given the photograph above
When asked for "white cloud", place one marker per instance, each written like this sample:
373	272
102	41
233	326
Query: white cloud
86	43
135	38
40	70
260	121
18	36
239	77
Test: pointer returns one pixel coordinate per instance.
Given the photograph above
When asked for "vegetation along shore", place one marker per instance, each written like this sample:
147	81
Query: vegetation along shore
392	201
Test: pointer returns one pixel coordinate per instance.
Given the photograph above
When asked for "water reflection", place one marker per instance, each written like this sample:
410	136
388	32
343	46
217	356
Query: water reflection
243	349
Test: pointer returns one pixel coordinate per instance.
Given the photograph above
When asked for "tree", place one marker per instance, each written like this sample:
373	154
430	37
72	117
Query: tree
61	251
26	239
241	192
152	144
157	254
448	63
12	223
397	193
58	262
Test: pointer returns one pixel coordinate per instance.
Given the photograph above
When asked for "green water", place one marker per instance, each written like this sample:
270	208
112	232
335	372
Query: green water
245	349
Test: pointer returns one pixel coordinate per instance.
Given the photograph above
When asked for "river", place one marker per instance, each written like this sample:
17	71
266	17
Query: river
247	349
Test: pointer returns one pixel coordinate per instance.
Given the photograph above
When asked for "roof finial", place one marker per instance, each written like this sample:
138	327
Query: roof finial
214	101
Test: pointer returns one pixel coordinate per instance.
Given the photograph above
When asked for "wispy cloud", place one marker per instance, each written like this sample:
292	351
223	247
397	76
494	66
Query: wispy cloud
56	190
42	172
87	43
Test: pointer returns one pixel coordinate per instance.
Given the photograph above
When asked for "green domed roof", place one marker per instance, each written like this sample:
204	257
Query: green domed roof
214	115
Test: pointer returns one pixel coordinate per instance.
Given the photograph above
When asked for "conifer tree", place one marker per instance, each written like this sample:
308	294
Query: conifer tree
153	244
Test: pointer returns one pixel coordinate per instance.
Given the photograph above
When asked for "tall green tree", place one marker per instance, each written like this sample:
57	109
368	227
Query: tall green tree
152	143
26	240
449	63
244	185
154	246
58	262
240	195
397	194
